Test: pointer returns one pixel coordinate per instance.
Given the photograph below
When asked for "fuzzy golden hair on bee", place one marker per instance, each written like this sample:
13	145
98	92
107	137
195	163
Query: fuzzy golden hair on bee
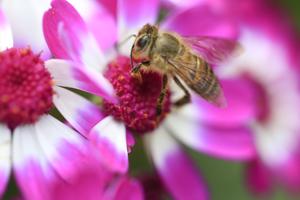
186	59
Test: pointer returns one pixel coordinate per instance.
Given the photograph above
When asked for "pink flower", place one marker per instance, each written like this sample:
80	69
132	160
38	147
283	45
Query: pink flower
262	89
41	150
69	38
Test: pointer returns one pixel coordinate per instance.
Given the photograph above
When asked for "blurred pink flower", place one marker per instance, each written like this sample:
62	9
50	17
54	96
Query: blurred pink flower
262	89
96	182
69	37
41	150
92	182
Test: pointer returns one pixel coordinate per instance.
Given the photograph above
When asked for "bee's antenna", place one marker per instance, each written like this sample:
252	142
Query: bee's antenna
131	61
117	45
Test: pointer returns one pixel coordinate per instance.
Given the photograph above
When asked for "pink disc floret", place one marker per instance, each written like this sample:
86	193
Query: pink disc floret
25	87
137	98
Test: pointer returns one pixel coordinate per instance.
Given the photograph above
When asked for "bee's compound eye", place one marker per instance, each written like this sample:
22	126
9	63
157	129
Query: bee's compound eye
141	43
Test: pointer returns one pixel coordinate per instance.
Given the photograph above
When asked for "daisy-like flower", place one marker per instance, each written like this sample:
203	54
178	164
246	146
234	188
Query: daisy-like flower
262	89
40	150
68	37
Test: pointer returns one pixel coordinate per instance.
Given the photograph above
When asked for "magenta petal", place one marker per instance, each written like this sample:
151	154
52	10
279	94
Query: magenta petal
99	17
181	177
63	17
110	5
129	189
30	179
106	39
289	173
200	20
100	20
177	171
231	143
133	14
241	96
88	184
4	178
68	37
125	188
258	177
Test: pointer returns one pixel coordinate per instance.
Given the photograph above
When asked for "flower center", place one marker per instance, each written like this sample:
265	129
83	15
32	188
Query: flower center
137	99
25	87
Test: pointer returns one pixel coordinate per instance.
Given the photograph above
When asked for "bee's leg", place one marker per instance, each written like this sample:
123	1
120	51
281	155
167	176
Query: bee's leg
162	95
137	68
186	98
135	71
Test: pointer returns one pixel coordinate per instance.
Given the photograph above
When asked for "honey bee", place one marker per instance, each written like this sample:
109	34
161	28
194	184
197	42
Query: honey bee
182	58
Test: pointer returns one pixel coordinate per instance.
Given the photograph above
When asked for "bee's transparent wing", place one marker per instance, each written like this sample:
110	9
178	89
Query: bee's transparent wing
200	79
213	50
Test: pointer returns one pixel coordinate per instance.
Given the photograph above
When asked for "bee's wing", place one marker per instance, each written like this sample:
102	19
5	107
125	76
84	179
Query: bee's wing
200	78
212	49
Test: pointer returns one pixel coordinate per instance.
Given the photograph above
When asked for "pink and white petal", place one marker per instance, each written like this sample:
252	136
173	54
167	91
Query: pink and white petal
109	138
82	114
232	143
125	188
258	177
177	171
46	154
65	149
133	14
5	157
178	4
241	97
24	17
199	20
69	74
6	37
97	16
68	37
31	168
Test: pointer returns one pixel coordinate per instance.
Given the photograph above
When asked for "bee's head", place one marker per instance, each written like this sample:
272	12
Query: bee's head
143	43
